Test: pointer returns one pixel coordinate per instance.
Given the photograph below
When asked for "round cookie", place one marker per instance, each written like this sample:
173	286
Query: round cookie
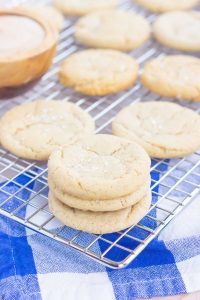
120	30
100	205
99	222
161	6
35	129
83	7
99	167
164	129
51	14
98	72
179	30
173	76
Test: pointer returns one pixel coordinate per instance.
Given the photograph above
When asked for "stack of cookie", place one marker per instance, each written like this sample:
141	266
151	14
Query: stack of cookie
99	185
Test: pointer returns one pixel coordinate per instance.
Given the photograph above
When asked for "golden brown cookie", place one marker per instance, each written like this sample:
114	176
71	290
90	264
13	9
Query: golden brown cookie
99	167
163	129
98	72
99	222
83	7
161	6
179	30
173	76
114	29
100	205
33	130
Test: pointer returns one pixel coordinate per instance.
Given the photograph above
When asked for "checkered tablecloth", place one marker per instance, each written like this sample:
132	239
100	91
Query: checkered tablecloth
33	266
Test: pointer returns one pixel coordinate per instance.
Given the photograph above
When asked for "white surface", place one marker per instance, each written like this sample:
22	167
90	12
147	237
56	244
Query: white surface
77	286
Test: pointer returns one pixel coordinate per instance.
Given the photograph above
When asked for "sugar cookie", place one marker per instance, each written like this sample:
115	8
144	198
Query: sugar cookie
83	7
114	29
161	6
35	129
98	72
99	167
99	222
179	30
163	129
100	205
173	76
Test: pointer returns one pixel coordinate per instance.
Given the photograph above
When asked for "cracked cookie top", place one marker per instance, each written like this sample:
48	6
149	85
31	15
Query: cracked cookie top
98	72
164	129
179	30
173	76
113	29
35	129
160	6
83	7
99	167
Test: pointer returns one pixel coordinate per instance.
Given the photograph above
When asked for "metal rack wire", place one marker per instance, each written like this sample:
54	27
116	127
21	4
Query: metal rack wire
23	184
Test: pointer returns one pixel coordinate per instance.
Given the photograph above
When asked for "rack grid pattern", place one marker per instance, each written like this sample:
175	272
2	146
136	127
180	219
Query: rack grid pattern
23	184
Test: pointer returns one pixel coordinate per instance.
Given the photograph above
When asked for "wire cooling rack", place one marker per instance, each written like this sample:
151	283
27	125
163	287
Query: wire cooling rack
23	184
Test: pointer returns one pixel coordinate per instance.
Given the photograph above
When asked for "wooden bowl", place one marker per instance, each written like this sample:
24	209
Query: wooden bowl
27	46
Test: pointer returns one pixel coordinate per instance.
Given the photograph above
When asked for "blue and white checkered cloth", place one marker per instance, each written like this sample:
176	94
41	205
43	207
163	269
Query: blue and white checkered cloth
34	267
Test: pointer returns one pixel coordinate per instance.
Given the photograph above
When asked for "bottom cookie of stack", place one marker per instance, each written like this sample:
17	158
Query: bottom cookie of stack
99	222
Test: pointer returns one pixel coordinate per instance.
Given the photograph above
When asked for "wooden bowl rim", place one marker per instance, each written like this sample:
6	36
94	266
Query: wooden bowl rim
50	39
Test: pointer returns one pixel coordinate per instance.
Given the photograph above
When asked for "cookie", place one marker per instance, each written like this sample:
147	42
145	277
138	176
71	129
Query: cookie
98	72
100	205
160	6
51	14
99	222
179	30
83	7
35	129
163	129
99	167
173	76
119	30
